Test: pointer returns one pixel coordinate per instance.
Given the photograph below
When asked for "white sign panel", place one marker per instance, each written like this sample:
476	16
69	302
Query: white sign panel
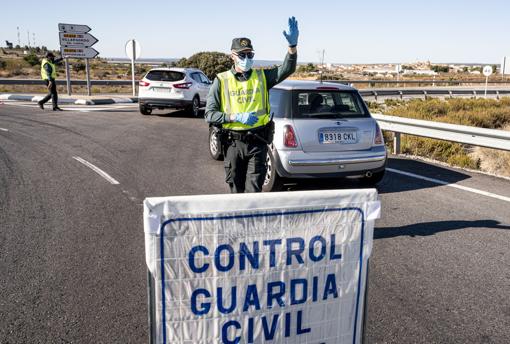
73	28
487	70
129	49
80	40
505	65
260	268
87	53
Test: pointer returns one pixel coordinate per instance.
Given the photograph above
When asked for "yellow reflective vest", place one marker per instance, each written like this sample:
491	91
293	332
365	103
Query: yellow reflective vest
244	96
44	75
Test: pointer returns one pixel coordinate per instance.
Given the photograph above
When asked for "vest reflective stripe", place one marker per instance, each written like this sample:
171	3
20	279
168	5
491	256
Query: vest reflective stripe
44	75
244	96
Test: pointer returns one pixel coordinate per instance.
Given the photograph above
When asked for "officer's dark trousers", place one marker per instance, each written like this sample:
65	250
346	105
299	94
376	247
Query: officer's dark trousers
245	166
51	94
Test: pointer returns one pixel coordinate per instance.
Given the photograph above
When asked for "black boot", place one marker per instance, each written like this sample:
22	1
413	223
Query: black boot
41	105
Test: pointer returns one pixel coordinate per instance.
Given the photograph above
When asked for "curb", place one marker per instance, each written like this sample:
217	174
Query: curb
75	101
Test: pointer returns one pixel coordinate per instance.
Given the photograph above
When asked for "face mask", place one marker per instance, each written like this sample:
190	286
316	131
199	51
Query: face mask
244	64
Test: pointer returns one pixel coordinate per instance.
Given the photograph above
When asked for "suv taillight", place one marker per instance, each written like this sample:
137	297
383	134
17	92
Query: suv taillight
378	140
184	85
144	83
289	137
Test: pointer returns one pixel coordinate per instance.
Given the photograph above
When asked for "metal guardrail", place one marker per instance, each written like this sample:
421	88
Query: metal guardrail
490	138
417	82
401	93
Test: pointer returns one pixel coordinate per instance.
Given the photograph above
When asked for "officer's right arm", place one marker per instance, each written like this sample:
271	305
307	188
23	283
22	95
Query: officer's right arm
213	106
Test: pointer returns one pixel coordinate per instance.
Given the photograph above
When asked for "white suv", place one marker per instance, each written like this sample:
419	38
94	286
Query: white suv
177	88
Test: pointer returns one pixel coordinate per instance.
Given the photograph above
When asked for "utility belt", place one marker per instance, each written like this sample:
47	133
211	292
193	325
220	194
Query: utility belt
262	134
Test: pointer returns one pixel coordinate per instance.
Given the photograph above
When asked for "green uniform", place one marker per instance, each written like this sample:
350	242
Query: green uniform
245	156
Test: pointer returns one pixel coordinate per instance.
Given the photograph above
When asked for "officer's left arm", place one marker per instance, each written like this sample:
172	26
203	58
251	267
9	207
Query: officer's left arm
59	60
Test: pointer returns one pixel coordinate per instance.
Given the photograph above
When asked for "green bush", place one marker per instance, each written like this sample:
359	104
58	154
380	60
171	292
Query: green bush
3	64
79	66
32	59
211	63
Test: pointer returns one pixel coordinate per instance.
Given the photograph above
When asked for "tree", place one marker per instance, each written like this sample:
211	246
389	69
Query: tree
32	59
210	62
440	69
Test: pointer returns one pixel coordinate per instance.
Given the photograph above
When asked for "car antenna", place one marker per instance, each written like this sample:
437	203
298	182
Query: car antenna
322	65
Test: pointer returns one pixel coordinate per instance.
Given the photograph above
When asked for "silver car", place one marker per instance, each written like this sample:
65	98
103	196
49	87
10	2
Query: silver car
322	130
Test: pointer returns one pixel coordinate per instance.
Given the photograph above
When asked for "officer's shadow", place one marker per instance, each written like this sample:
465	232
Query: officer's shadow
431	228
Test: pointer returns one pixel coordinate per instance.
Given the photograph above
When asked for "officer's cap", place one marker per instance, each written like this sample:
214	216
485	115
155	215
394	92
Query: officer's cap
241	43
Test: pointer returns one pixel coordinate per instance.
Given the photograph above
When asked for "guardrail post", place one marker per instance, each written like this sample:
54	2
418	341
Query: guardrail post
425	95
497	94
401	95
375	95
451	94
396	143
474	93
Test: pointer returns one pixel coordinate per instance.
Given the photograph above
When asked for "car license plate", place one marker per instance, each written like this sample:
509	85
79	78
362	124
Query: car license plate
338	136
162	89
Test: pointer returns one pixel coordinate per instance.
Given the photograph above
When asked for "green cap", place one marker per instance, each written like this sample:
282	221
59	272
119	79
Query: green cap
241	43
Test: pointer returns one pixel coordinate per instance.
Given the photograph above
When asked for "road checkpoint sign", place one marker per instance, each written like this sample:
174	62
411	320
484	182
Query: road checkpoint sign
259	268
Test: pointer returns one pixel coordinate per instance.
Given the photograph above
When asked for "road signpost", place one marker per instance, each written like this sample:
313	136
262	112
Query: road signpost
133	50
487	71
76	42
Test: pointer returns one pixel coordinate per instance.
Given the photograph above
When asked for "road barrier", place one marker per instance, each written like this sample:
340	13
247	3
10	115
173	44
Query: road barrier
253	268
490	138
431	92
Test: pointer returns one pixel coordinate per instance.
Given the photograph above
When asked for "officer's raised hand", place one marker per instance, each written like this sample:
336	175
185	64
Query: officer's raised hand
247	118
293	34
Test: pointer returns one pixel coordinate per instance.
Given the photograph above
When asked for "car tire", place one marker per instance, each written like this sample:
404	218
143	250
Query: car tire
272	181
144	110
215	144
374	179
195	106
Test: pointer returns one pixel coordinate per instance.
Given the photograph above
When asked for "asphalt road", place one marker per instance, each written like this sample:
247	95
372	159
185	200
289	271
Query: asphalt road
72	249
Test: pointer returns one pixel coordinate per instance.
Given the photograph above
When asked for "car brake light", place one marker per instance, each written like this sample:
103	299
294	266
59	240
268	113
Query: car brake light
184	85
378	140
143	83
289	137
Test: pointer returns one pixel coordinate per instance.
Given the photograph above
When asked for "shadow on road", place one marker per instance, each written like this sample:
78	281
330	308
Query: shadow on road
177	114
431	228
392	182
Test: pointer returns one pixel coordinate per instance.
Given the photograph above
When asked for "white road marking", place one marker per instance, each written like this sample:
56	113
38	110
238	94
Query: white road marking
456	186
3	129
97	170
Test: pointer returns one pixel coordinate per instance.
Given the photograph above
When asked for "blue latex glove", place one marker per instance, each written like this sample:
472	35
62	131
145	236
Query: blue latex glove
292	36
247	118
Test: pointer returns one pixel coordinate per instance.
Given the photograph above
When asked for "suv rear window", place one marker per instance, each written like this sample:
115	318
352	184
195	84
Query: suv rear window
328	104
164	75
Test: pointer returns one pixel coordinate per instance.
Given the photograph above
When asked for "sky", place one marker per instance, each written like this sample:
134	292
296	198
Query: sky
392	31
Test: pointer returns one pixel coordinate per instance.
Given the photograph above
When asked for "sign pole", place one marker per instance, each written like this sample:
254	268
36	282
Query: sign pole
133	66
486	82
68	77
87	71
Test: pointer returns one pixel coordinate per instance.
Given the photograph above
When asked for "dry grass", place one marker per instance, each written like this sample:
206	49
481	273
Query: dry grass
483	113
493	161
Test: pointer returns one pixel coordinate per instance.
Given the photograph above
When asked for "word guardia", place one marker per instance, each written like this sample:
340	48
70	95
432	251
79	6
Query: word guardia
275	294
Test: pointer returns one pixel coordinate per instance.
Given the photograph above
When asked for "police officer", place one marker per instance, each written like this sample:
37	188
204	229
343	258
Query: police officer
49	74
238	101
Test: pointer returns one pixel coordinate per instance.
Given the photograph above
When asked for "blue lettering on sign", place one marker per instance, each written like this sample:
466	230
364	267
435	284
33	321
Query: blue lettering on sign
297	291
191	258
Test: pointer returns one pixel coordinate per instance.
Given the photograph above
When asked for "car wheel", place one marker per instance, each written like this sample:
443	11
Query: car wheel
195	106
373	179
144	110
215	144
272	182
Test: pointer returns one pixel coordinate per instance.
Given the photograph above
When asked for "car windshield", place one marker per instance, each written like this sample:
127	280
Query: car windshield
164	75
329	104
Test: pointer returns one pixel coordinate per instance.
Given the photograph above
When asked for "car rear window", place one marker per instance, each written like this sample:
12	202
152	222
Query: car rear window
328	104
164	75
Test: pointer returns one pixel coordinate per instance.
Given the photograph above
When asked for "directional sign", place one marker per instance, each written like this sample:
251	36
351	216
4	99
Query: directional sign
487	70
79	40
86	53
73	28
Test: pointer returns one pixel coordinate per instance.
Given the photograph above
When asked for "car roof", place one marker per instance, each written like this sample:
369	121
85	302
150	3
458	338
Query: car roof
176	69
311	85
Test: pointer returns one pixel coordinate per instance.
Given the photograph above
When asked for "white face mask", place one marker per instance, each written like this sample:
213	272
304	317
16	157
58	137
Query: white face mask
243	64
